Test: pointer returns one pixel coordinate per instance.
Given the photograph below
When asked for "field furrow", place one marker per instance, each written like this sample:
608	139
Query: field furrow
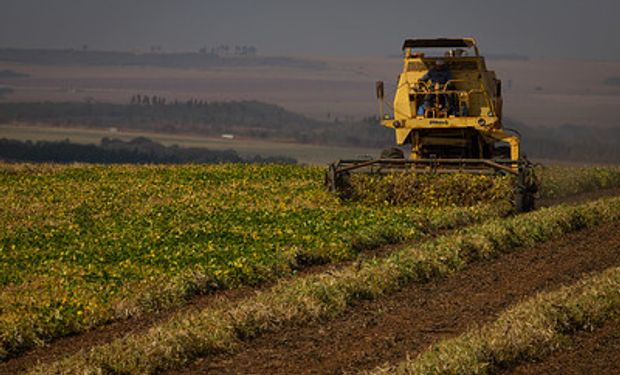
528	330
304	299
107	333
127	247
98	244
371	333
588	352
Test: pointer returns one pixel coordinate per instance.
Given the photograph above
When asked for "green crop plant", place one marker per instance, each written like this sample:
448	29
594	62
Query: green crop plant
458	189
319	296
84	245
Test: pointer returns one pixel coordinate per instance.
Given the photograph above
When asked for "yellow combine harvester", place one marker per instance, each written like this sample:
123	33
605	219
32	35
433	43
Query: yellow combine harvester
448	108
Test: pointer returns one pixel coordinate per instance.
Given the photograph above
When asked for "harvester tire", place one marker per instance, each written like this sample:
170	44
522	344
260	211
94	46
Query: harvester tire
392	153
525	202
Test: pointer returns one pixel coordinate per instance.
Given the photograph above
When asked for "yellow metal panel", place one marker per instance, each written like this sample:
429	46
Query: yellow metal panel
401	136
472	85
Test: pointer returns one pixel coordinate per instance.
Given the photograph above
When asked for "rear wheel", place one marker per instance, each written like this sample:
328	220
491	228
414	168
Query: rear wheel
525	202
528	185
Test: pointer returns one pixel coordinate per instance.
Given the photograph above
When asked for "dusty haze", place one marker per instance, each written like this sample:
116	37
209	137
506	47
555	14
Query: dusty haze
558	60
548	29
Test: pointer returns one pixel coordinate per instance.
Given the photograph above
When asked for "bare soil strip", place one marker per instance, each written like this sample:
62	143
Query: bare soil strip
386	330
596	352
71	344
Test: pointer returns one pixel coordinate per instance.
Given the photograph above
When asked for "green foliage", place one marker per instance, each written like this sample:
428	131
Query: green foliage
83	245
139	150
431	190
242	118
189	335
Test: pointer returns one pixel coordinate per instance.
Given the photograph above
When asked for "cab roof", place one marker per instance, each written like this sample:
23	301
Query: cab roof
439	43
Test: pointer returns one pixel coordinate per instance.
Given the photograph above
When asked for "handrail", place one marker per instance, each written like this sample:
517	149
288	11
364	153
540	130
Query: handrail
424	89
428	90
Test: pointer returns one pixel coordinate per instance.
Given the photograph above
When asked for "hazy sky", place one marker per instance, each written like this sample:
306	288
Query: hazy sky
543	28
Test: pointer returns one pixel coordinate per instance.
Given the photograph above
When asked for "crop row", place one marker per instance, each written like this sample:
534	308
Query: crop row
528	330
84	245
187	336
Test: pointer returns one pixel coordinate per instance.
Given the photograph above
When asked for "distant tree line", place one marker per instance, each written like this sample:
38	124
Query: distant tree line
147	100
251	119
248	119
138	150
226	50
612	81
4	91
9	74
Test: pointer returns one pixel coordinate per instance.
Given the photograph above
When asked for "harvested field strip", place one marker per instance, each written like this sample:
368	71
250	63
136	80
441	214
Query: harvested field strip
528	330
185	337
589	352
386	330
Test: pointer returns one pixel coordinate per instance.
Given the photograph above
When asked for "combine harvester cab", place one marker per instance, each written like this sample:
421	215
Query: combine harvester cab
448	109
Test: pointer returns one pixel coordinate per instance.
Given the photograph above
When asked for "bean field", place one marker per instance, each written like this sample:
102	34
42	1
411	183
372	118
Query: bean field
86	246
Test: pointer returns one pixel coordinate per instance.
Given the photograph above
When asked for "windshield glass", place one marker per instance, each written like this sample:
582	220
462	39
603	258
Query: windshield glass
444	52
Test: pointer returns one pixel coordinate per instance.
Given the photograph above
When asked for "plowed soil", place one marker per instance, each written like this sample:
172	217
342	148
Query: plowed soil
372	333
596	353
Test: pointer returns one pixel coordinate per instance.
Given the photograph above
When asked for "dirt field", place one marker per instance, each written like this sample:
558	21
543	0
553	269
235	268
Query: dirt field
596	352
537	92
